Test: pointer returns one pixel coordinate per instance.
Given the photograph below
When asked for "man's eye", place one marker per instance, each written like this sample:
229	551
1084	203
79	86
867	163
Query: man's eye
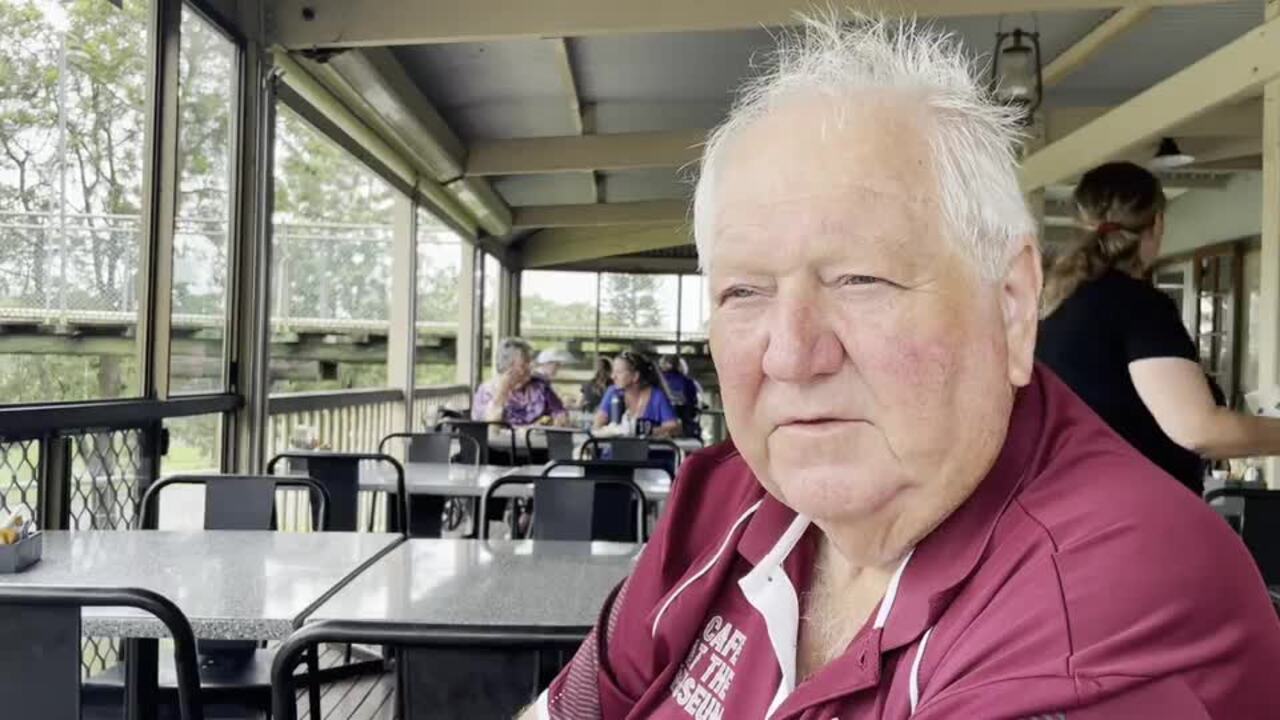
736	293
858	280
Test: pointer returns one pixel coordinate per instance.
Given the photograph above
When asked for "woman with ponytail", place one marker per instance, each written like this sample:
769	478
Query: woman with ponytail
1120	343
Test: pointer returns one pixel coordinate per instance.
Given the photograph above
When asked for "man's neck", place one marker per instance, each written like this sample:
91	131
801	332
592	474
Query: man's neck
840	601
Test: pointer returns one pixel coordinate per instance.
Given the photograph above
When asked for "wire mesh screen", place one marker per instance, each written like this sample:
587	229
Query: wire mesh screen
106	470
20	477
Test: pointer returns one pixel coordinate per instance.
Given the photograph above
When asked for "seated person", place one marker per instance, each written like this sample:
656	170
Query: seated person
913	519
517	396
638	392
684	392
593	389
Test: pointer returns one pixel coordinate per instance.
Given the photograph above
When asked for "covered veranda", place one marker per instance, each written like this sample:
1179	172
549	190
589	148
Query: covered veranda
307	224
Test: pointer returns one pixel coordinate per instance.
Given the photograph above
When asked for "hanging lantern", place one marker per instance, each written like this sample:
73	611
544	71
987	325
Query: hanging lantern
1015	70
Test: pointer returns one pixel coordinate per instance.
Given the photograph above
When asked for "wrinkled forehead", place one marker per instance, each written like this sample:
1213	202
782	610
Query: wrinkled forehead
817	165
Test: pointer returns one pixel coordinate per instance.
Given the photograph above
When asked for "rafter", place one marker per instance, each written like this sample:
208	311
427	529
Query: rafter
1236	70
342	23
1071	59
576	153
559	246
649	212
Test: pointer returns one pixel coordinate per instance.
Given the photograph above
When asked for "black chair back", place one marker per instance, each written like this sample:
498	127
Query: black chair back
479	430
1258	526
434	447
441	672
559	441
578	508
339	474
40	670
689	423
238	502
630	449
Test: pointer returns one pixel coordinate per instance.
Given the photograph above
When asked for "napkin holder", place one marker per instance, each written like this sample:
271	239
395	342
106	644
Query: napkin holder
19	556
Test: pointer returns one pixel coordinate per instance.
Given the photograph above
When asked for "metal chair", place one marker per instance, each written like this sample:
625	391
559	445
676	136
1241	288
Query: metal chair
434	447
236	671
479	430
559	441
608	510
622	448
238	502
339	473
40	668
1257	526
577	508
631	449
501	668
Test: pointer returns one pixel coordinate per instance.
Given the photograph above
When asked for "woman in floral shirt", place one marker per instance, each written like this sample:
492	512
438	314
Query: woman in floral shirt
517	396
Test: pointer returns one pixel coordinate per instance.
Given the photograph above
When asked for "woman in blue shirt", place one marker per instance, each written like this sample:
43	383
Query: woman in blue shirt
638	390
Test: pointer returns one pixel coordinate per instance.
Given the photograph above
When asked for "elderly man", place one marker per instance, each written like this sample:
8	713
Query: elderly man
916	521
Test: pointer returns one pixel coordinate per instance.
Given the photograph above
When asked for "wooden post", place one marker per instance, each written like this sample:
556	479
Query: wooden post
1269	323
401	339
467	349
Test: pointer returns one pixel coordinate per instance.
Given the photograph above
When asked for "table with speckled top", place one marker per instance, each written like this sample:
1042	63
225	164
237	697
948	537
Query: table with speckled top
461	480
231	584
494	584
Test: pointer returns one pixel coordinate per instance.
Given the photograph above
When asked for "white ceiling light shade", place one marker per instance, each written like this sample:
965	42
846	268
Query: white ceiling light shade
1169	156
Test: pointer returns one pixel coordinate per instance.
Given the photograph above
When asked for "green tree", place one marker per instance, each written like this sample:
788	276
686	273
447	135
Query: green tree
631	301
539	312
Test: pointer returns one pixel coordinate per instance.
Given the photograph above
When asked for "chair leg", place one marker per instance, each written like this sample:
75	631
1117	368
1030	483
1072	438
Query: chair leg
313	686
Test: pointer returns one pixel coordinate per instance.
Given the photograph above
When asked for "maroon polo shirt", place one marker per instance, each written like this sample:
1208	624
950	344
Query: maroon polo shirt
1078	580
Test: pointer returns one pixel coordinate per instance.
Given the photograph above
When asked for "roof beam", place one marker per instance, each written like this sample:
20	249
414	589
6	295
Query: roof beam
620	151
342	23
636	264
373	89
1233	149
569	80
1234	71
649	212
1241	119
567	245
584	153
1071	59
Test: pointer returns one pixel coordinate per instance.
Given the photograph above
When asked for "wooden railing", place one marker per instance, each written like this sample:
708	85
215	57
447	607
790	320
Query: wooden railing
428	401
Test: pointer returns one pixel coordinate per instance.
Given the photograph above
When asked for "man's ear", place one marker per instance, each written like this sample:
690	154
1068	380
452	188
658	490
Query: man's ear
1020	301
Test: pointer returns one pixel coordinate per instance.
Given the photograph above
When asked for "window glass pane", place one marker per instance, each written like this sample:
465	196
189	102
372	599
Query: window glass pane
206	102
440	253
73	88
558	312
695	308
331	265
195	447
638	309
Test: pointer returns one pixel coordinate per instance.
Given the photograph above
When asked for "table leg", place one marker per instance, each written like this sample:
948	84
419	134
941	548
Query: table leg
313	686
141	665
424	515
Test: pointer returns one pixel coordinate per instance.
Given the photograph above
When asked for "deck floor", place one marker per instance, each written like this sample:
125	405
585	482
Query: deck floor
367	697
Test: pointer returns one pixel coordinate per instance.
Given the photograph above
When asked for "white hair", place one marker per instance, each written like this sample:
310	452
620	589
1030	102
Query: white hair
972	138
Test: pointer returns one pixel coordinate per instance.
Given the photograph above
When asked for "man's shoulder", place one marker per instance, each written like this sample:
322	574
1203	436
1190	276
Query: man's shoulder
1151	582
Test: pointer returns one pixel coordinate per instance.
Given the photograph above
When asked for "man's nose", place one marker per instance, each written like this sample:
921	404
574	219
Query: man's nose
802	345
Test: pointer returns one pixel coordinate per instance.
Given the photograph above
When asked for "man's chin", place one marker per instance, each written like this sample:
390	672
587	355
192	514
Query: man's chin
836	494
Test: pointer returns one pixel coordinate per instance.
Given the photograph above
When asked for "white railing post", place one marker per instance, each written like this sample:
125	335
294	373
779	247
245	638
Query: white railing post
402	333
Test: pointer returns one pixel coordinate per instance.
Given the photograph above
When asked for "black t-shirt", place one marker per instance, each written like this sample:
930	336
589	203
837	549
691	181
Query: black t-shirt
1089	342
